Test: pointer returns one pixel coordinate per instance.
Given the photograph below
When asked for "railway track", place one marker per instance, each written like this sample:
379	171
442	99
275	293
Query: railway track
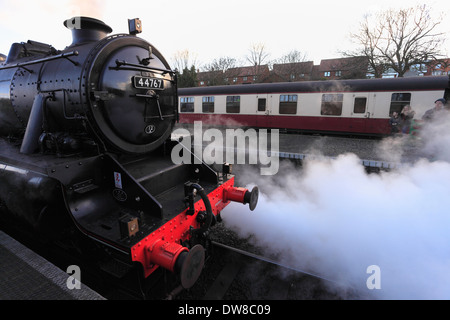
236	274
369	165
281	282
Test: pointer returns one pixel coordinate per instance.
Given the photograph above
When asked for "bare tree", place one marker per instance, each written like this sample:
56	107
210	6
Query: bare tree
258	56
183	59
214	73
222	64
398	39
184	63
369	37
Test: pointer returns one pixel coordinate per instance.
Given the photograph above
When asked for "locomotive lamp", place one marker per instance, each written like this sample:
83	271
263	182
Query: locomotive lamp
134	26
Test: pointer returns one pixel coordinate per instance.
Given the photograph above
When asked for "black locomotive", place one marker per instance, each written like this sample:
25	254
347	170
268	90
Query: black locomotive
85	156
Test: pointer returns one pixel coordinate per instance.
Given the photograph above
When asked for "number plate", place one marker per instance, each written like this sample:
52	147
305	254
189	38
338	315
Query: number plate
148	83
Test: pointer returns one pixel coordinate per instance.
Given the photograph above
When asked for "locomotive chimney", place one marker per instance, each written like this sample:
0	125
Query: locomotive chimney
85	29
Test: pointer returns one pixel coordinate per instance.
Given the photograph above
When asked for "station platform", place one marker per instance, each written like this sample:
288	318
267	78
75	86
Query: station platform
24	275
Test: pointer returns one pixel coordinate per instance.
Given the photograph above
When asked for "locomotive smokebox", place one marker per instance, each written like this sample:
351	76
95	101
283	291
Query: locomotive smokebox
86	29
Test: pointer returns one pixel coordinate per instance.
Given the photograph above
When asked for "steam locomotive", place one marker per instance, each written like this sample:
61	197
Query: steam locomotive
85	156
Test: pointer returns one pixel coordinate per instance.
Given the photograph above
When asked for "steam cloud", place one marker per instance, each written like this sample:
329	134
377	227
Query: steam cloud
334	219
89	8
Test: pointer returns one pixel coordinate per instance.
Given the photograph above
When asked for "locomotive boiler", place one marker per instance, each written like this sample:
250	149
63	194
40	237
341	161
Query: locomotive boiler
85	156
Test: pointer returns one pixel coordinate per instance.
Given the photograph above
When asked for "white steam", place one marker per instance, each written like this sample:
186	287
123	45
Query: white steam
334	219
89	8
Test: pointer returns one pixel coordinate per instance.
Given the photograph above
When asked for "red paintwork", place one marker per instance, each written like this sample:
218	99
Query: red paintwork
164	253
321	124
163	246
234	194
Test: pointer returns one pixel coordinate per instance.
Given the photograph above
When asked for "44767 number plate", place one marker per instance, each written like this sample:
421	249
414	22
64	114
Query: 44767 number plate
148	83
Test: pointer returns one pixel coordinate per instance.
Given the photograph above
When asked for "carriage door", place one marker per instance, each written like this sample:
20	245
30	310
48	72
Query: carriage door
360	113
262	111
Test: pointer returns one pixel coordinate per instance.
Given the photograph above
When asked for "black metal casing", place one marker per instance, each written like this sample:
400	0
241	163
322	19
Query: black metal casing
86	159
85	149
87	87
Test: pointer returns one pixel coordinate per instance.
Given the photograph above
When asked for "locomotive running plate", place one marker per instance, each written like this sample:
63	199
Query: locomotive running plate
148	83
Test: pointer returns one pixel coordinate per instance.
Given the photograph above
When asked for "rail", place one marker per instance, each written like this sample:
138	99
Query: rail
368	164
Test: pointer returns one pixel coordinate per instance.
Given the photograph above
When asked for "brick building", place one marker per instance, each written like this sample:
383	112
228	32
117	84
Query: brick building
342	68
239	75
298	71
328	69
438	68
247	75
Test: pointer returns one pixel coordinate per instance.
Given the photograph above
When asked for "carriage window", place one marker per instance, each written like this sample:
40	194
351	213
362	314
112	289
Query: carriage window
187	104
261	104
360	105
288	104
233	104
208	104
398	101
332	104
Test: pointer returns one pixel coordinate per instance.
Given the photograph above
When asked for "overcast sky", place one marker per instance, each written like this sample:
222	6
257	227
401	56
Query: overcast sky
208	29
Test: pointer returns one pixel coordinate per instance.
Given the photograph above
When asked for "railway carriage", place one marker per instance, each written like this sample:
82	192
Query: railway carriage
360	107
